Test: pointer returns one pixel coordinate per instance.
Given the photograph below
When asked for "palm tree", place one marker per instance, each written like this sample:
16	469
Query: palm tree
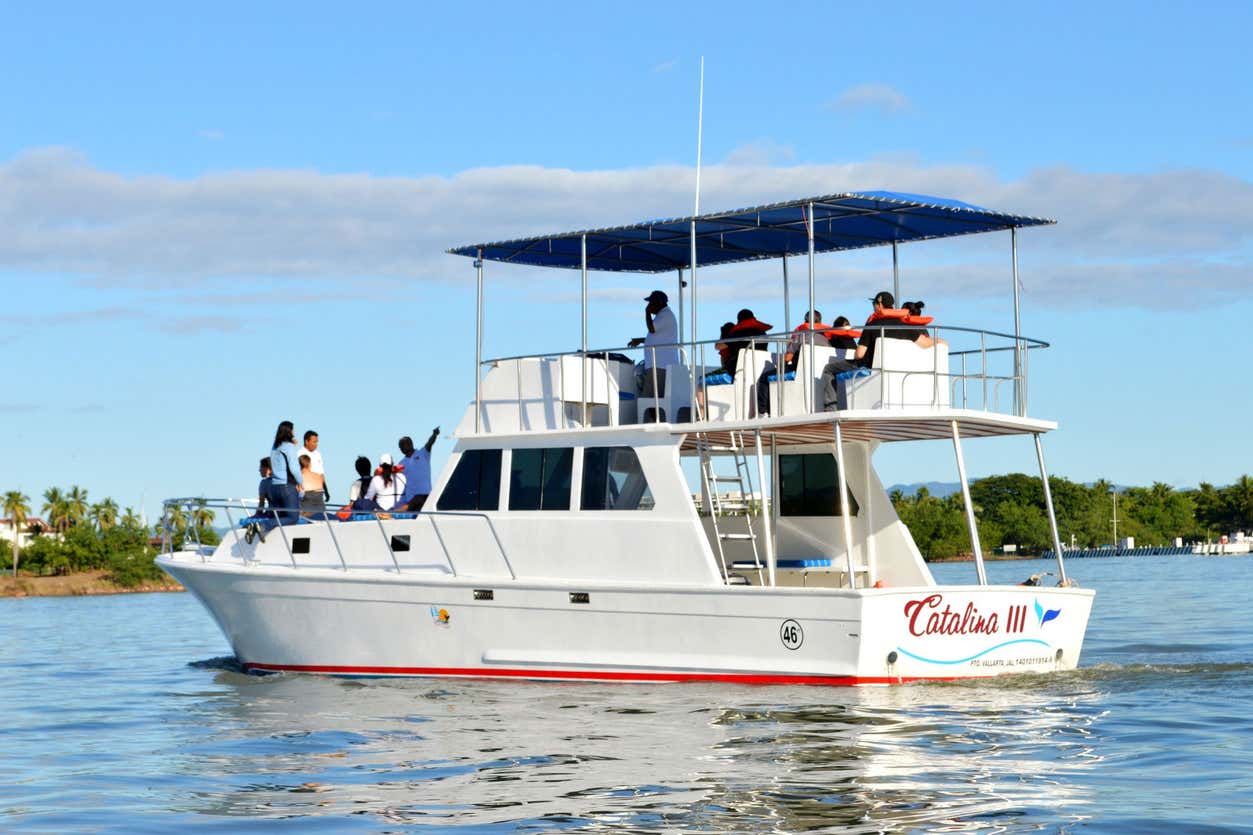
130	519
104	514
56	509
17	508
78	504
175	520
202	517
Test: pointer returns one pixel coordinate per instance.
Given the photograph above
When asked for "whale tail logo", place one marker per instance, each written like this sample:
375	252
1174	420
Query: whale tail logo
1045	615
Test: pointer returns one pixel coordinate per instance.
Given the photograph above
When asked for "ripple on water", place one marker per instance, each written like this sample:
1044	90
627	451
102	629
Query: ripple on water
163	730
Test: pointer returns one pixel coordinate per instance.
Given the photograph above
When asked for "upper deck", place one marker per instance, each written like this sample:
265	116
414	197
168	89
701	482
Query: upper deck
784	380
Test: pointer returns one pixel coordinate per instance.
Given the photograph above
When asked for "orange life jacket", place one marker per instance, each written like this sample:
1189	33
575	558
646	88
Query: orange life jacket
899	315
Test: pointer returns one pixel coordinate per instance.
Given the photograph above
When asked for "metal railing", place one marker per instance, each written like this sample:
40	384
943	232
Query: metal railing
975	384
282	520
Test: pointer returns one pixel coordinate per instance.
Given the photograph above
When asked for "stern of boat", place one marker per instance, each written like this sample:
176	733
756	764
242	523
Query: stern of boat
952	632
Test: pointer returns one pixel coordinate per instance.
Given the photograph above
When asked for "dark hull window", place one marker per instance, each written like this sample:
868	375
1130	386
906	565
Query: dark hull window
475	483
614	480
539	479
807	486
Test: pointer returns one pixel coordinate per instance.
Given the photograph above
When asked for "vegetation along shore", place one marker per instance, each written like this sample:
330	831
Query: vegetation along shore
78	547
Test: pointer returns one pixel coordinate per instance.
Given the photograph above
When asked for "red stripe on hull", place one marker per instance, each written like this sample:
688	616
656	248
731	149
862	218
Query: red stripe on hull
595	675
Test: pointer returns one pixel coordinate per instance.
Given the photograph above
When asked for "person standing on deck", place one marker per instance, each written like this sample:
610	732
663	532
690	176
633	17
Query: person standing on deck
285	481
315	461
663	330
417	469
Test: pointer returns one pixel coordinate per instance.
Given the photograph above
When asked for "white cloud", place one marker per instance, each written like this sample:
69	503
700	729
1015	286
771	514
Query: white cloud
872	96
1171	237
212	135
759	153
665	66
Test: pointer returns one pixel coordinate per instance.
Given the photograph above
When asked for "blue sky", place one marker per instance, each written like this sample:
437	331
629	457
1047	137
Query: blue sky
214	219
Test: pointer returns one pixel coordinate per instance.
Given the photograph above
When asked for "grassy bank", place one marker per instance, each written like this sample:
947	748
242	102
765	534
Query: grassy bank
76	584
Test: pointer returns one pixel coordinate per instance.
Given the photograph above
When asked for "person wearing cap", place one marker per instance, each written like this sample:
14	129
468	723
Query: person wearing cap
864	356
387	486
661	343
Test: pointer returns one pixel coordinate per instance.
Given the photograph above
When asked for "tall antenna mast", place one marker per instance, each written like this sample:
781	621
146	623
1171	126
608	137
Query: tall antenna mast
700	118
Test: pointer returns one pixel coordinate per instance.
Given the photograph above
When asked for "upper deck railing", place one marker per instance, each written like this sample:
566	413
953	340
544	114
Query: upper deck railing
968	368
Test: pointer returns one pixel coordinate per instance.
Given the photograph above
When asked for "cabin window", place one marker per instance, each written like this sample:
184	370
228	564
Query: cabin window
539	479
614	480
474	483
807	486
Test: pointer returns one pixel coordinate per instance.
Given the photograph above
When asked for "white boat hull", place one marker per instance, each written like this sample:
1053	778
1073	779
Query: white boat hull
388	624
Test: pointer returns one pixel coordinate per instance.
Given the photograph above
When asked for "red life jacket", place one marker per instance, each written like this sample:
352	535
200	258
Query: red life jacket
749	327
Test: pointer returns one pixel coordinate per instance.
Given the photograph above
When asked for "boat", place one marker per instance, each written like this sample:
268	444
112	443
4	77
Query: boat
563	542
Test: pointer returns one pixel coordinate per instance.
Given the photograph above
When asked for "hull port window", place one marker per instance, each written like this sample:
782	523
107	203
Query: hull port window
807	486
539	479
475	483
614	480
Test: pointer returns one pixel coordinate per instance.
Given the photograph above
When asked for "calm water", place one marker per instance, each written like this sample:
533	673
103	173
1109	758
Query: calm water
121	714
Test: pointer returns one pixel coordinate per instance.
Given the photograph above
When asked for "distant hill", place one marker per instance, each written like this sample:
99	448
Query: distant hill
944	489
939	489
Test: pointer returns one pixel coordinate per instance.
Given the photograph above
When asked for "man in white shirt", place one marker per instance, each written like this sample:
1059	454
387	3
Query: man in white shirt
315	461
663	330
417	470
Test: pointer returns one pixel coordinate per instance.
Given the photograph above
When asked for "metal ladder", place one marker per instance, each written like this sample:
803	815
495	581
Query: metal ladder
718	507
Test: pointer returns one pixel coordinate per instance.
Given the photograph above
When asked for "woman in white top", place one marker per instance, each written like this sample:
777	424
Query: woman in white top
387	486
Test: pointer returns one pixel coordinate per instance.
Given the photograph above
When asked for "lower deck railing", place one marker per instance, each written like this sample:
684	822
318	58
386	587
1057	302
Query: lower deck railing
246	520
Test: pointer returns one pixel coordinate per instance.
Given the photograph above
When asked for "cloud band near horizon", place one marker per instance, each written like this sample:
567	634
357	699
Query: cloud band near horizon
1179	238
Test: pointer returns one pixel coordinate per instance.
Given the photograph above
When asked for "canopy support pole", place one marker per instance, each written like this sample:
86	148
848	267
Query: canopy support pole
872	554
692	362
809	386
1019	390
765	514
846	527
1048	505
680	305
584	383
787	299
896	276
478	346
970	508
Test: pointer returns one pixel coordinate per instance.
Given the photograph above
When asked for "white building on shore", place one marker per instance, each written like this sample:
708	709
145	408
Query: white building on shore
34	526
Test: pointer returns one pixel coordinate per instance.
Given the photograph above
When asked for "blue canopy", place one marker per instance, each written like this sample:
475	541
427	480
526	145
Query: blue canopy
841	221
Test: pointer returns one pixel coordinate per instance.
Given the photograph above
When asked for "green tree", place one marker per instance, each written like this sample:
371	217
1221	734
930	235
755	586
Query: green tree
76	499
17	508
104	514
56	509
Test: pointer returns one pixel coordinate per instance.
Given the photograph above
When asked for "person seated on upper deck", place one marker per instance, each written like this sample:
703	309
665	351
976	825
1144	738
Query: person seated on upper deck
660	345
798	338
746	325
885	321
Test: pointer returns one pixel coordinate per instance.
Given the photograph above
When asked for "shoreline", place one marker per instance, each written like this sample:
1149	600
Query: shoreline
80	584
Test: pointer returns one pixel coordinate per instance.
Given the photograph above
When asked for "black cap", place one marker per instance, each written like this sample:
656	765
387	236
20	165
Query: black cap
657	295
884	298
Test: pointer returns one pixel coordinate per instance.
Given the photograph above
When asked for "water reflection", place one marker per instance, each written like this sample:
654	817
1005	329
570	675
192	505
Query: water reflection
570	756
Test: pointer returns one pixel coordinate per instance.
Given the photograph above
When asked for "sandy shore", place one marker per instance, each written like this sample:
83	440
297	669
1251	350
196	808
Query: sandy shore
69	585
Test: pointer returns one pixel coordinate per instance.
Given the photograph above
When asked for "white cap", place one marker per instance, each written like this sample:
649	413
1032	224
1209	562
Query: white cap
385	458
